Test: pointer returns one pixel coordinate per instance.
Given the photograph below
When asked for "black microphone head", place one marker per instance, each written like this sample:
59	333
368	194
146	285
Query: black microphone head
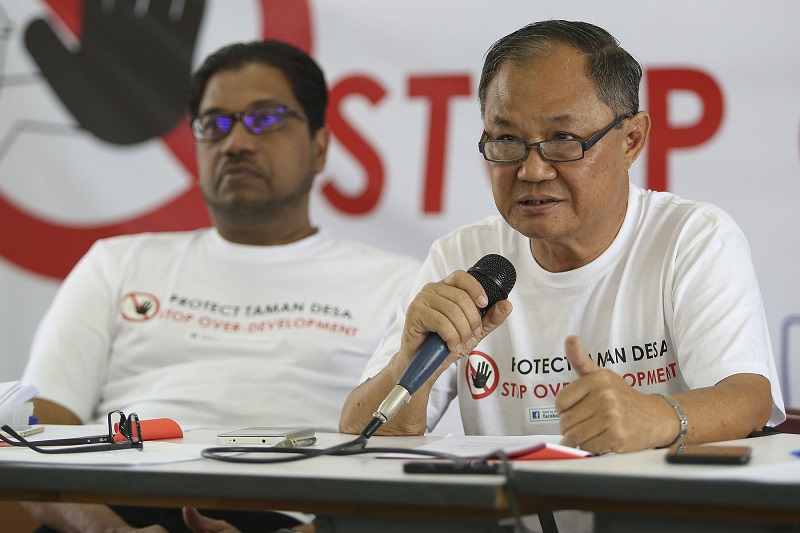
496	275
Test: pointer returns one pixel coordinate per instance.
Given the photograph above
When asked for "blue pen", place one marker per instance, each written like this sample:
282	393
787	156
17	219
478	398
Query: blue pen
796	453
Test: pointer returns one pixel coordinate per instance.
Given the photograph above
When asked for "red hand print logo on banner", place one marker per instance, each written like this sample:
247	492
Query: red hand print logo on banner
126	83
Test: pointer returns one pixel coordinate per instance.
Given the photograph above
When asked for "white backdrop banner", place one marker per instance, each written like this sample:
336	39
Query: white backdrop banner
83	155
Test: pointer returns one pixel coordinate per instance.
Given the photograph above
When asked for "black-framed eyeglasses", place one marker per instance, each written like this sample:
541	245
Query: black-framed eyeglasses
257	119
127	426
554	150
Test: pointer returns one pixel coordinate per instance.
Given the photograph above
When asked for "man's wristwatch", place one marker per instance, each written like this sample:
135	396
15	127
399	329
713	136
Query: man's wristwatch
684	423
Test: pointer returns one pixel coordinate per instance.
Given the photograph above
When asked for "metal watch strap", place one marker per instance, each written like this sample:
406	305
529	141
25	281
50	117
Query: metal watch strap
684	423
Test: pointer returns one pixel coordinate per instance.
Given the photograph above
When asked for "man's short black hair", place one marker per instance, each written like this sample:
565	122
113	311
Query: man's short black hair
304	74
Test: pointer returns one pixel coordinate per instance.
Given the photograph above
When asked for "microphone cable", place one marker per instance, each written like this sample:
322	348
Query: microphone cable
357	446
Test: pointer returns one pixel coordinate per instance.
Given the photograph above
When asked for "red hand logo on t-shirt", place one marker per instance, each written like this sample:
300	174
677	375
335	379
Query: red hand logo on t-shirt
139	306
482	374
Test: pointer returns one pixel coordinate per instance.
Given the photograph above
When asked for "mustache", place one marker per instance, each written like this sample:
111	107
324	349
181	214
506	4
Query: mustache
238	164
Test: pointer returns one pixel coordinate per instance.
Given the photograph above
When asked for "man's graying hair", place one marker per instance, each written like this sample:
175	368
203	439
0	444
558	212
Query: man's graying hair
615	72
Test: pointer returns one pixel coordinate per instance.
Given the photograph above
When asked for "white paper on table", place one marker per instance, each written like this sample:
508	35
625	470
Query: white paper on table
474	446
153	453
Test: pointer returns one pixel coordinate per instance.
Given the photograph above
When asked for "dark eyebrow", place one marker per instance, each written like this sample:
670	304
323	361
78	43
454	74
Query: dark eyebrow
564	118
500	121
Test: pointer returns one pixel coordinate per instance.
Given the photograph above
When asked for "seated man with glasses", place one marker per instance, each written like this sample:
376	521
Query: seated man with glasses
262	320
637	319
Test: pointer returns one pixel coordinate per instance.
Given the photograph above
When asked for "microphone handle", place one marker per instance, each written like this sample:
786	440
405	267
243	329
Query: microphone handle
428	358
430	355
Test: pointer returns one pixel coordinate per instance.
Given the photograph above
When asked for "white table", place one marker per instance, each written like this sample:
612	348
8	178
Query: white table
631	492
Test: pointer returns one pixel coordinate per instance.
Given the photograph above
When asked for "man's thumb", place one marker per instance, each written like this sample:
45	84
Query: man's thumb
580	361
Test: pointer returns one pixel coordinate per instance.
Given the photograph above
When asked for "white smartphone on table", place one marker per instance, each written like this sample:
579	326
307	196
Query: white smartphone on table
286	437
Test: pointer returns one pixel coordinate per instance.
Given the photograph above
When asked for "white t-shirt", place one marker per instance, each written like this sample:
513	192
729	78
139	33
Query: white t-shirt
673	304
192	327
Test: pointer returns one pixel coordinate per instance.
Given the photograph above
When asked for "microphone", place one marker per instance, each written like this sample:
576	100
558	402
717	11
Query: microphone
497	276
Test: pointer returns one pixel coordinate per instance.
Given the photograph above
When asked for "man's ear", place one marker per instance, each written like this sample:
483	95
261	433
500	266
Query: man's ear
637	129
320	142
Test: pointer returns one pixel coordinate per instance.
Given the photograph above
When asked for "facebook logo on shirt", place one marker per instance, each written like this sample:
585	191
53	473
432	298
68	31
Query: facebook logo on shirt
542	415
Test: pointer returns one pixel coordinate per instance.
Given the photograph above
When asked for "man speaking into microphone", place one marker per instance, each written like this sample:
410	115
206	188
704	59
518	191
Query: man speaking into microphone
637	319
